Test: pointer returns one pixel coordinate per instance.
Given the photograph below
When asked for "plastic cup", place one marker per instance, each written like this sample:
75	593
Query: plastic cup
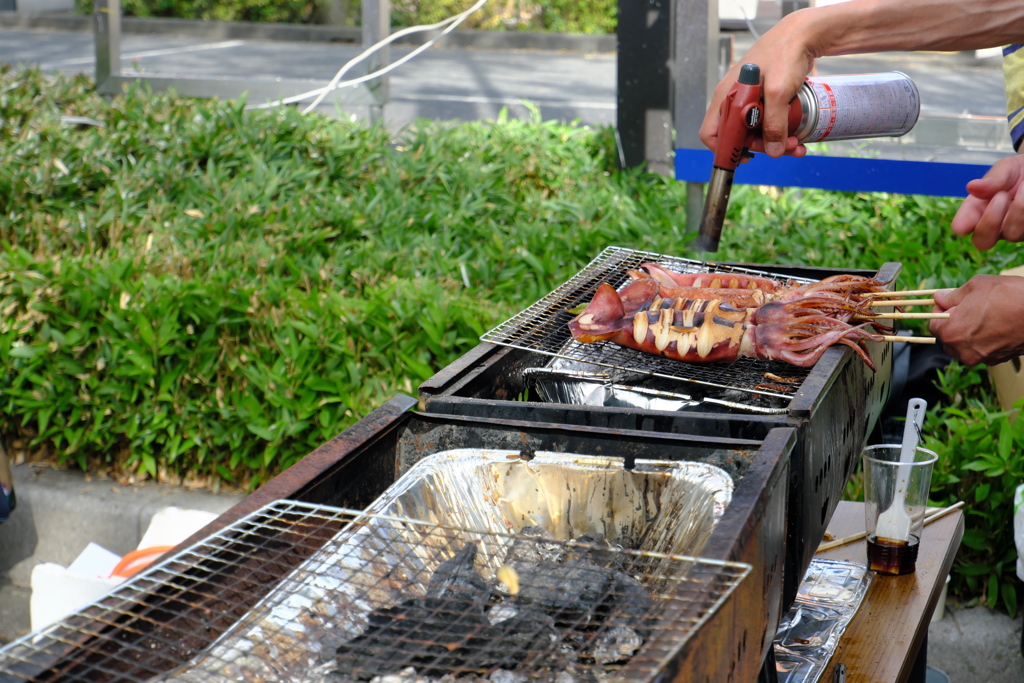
894	527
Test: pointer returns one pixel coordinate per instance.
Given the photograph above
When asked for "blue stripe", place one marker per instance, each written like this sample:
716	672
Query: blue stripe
1010	49
845	174
1017	134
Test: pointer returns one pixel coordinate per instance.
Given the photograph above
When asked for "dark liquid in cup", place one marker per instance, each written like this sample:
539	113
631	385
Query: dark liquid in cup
892	557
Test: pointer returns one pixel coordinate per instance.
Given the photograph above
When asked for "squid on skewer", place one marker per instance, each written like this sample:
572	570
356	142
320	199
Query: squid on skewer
749	290
710	330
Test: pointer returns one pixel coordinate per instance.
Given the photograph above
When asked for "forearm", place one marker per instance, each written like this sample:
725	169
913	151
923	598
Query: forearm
860	26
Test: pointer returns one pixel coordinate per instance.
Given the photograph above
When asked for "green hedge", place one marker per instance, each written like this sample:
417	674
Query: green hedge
207	290
199	290
562	16
280	11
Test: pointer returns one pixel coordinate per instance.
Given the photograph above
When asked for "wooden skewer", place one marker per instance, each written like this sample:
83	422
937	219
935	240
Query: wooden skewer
906	292
902	316
929	518
902	302
912	340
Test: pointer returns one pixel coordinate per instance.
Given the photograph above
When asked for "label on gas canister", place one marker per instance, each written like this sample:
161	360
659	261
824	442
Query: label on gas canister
857	106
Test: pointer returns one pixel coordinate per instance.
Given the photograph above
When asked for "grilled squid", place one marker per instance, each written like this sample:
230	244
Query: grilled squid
711	330
749	290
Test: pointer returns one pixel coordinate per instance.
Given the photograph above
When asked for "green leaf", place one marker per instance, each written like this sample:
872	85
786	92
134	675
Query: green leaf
1005	444
975	538
26	351
1009	594
974	570
981	493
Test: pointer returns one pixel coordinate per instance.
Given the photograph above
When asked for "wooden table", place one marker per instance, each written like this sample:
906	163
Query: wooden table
882	641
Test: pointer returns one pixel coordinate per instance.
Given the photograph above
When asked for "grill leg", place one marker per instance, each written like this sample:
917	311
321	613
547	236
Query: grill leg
768	674
919	673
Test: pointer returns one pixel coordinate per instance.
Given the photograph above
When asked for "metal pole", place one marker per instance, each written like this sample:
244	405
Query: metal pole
377	27
695	75
643	103
107	32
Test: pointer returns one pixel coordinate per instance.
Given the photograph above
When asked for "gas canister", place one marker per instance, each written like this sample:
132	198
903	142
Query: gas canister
854	106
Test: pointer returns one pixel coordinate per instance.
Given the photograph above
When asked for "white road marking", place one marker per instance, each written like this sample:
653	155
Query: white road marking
474	99
222	45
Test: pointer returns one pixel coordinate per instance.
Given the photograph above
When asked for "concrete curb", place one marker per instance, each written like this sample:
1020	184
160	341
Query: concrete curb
238	30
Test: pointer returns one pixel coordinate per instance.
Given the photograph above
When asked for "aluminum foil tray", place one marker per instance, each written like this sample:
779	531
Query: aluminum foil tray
660	512
665	507
809	634
578	383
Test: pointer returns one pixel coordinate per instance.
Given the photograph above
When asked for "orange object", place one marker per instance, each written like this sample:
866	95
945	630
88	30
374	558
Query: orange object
131	563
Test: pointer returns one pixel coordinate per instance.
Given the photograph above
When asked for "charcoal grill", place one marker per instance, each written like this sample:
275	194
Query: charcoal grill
248	564
833	406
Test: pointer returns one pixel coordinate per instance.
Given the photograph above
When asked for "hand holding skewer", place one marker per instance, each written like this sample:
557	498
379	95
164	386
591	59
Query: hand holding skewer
891	299
985	321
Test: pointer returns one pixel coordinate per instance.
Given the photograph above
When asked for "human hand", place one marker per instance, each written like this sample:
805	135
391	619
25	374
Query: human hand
986	319
784	63
994	208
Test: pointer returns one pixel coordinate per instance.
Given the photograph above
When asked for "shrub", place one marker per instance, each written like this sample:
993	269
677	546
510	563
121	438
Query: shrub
281	11
981	463
200	289
563	16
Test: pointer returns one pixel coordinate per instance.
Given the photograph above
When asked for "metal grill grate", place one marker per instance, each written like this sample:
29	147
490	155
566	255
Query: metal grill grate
382	595
543	328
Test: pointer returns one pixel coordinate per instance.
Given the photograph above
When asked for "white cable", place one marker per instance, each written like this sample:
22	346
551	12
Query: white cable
336	82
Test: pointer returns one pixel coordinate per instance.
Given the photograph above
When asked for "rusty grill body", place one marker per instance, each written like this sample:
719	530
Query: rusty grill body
240	567
833	406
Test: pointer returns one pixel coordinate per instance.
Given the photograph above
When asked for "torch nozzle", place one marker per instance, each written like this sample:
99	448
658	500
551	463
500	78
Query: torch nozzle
715	204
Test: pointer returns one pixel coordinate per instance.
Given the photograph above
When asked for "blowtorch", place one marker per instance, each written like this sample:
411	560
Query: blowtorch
830	108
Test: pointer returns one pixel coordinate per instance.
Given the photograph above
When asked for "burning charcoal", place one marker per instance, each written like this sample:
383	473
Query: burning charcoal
601	554
506	676
501	612
532	552
509	642
420	632
407	675
631	604
569	591
457	577
617	644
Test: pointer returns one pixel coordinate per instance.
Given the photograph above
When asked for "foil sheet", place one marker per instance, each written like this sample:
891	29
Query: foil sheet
578	383
660	507
809	634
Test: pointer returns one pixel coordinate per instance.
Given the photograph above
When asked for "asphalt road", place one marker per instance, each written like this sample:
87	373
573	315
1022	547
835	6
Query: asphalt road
465	84
468	84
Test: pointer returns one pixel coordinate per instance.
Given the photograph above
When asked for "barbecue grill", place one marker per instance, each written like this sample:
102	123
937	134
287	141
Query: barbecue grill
282	570
833	406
